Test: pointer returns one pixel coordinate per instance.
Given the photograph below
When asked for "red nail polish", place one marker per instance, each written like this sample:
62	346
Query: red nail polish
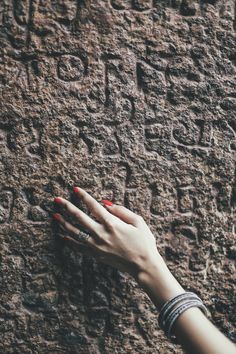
107	202
57	216
57	200
66	238
75	189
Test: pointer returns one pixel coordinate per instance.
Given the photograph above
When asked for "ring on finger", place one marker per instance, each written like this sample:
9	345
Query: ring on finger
82	236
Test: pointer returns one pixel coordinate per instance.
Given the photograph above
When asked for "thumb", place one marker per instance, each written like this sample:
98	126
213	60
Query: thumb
121	212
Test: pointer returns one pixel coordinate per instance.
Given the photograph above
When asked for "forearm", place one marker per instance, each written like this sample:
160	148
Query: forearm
194	331
198	335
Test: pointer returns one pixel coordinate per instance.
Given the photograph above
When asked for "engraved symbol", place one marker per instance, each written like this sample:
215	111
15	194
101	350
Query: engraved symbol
21	11
120	4
142	5
186	199
114	76
6	205
130	199
198	261
35	212
125	109
233	193
149	80
118	79
138	5
65	10
163	200
116	186
232	128
70	68
221	193
157	138
192	134
23	15
190	232
112	146
188	8
34	148
4	141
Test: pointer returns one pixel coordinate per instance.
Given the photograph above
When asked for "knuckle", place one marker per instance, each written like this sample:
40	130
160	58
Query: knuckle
139	218
109	223
91	242
84	197
64	223
76	214
69	227
99	231
104	246
96	237
67	207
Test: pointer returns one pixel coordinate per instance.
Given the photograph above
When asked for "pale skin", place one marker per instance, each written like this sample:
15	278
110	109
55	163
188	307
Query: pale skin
122	239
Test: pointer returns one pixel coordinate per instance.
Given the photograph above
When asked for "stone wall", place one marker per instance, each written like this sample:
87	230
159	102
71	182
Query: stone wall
135	102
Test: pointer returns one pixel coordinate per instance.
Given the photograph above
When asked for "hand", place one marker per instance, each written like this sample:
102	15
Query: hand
119	237
122	239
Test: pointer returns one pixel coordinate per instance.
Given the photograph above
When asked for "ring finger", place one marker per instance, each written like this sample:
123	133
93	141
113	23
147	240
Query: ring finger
74	231
82	217
84	249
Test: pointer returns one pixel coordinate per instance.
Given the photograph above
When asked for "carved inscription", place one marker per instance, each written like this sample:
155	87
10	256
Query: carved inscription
221	194
186	199
134	101
34	148
21	11
138	5
190	232
4	142
70	68
157	136
163	200
120	4
35	213
6	205
149	80
65	11
117	83
114	76
192	133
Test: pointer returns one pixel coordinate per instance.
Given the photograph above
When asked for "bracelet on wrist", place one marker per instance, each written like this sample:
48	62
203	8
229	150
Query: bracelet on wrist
174	307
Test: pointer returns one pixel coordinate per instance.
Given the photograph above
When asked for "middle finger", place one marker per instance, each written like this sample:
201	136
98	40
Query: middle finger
101	213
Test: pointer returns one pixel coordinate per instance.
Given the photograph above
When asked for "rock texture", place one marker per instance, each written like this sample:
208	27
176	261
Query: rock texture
135	102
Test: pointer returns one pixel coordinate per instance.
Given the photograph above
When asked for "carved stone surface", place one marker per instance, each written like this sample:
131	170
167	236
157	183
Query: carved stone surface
135	102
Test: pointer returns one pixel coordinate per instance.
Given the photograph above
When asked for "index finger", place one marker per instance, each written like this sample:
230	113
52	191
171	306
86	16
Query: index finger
88	222
96	209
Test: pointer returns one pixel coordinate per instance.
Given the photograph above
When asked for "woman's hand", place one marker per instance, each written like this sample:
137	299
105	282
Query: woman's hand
118	237
122	239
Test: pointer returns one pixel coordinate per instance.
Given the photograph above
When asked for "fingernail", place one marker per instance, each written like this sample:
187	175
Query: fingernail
75	189
56	216
66	238
57	200
107	202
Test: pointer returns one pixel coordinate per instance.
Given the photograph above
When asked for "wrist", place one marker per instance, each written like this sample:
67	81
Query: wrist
158	282
148	266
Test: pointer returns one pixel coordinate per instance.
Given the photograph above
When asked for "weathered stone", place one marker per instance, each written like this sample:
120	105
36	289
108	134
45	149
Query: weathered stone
135	101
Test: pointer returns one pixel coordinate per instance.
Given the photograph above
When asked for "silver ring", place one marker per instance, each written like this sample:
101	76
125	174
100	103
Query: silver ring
82	236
